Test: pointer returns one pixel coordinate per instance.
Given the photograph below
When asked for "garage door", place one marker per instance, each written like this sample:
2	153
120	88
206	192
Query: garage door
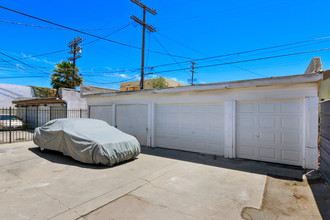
270	131
191	127
133	119
103	112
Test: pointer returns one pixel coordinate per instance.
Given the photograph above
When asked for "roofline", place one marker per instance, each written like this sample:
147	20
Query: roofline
292	79
52	100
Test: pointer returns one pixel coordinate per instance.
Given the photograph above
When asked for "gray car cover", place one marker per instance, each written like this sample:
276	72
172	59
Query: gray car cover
87	140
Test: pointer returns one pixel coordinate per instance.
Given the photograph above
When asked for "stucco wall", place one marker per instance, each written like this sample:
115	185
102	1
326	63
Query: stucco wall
73	99
307	92
9	92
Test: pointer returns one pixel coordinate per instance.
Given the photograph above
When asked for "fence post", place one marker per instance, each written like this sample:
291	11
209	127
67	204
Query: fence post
26	117
9	124
37	116
80	112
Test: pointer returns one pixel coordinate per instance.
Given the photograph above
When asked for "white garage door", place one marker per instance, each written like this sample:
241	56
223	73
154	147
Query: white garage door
270	131
133	119
191	127
102	112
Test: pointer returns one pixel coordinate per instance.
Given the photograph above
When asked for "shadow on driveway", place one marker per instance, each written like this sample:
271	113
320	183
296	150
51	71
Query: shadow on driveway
286	172
58	157
320	190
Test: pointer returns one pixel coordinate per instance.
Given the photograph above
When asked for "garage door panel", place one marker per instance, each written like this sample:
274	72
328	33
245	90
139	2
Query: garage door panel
192	127
267	122
269	153
245	134
103	112
245	122
291	139
267	108
291	156
247	151
133	119
266	138
246	108
270	131
291	107
292	122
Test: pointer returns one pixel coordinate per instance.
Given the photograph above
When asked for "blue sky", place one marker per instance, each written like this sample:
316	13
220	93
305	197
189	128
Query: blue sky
187	28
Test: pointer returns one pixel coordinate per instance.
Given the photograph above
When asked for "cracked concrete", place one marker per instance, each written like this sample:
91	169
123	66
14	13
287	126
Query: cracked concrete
158	184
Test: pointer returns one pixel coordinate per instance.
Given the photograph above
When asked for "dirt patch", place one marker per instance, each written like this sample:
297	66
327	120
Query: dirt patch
285	199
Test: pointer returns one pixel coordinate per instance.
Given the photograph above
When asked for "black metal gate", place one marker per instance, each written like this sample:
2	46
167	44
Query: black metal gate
18	124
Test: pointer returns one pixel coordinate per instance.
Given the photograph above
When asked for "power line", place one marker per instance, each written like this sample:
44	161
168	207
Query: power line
220	64
247	51
105	83
86	33
244	61
18	77
200	20
171	56
208	56
24	63
16	67
107	34
65	50
55	28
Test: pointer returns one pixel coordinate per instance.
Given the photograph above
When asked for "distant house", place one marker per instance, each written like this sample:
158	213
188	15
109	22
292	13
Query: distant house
37	111
9	92
135	85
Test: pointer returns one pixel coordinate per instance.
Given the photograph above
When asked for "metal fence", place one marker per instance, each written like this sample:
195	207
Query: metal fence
18	124
325	140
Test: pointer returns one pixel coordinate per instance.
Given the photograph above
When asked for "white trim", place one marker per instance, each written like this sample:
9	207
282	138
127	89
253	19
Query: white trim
310	154
152	128
149	125
284	80
229	129
114	115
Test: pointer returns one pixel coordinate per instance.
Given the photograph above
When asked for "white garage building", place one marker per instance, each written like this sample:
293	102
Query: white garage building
272	119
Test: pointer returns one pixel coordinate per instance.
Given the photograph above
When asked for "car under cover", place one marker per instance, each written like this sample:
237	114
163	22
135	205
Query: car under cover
87	140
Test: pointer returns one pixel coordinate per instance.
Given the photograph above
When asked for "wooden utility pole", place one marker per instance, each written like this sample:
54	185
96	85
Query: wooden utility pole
144	25
75	49
192	73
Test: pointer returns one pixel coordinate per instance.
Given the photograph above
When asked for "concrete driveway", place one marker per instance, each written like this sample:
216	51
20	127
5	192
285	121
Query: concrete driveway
159	184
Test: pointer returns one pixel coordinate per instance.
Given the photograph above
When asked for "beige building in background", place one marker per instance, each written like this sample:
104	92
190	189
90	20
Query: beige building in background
135	85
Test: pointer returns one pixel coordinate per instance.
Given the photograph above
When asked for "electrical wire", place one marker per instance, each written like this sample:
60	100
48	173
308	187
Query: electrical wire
210	18
19	77
105	83
55	28
212	65
250	60
24	63
86	33
64	50
244	52
246	70
171	56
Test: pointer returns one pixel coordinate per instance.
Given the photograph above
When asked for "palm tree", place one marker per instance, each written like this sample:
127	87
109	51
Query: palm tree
62	76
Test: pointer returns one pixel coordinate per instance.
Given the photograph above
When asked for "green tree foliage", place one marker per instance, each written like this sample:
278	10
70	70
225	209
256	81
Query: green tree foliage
159	82
43	92
62	76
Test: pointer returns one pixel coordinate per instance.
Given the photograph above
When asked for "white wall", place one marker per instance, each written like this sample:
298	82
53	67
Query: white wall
305	91
72	98
9	92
